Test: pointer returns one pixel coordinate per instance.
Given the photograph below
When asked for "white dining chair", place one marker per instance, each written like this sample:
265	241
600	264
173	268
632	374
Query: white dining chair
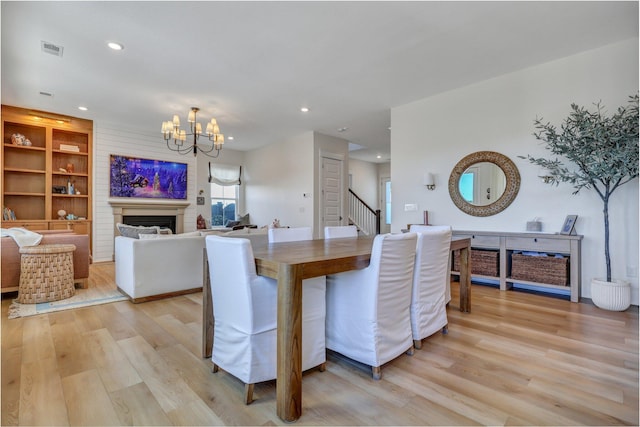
292	234
430	276
368	318
336	232
313	296
416	229
245	316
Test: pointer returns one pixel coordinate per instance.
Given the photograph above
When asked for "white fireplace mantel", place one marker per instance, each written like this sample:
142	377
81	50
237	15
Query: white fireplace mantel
125	207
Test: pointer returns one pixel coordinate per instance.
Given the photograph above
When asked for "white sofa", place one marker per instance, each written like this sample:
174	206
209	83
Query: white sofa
156	268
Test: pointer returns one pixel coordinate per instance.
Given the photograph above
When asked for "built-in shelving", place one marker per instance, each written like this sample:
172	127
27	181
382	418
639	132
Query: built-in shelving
59	154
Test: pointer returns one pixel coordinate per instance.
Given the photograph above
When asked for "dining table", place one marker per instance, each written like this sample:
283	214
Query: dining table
290	263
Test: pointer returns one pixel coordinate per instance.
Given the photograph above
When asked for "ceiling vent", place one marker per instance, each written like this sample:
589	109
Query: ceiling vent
51	48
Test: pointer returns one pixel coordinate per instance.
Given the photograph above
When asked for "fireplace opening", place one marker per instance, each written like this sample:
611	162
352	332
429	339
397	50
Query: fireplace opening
165	221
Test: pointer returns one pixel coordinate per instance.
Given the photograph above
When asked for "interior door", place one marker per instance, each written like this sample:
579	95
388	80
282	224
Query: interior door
332	193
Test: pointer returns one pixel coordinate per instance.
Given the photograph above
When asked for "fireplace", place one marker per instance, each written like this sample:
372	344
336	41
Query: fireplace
157	212
164	221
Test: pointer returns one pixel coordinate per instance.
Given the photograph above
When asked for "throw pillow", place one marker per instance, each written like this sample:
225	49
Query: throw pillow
243	220
133	231
231	223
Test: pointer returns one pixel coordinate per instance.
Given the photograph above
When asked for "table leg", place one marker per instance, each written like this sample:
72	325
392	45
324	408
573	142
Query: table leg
465	280
207	309
289	350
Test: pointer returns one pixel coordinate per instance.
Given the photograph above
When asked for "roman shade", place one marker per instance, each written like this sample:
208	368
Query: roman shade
225	174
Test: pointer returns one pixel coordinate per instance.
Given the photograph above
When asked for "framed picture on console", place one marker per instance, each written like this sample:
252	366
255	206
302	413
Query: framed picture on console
146	178
569	224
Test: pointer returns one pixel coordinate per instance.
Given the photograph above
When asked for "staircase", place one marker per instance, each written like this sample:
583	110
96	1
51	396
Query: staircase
363	216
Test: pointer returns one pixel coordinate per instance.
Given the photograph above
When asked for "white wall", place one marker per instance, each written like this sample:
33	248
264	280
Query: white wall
433	134
276	177
229	157
111	139
365	181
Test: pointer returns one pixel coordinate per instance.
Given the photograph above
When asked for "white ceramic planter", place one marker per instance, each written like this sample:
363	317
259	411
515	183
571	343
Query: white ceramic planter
614	295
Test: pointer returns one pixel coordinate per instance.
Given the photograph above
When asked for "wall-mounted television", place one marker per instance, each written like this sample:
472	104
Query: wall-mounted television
147	178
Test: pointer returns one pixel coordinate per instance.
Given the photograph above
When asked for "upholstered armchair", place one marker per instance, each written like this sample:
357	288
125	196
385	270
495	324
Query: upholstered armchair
340	231
245	313
368	318
430	277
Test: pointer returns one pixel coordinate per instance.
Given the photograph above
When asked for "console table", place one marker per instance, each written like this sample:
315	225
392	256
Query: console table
508	242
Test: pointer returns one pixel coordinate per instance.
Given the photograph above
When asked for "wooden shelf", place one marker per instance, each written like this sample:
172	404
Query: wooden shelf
70	196
69	174
73	153
24	147
21	170
22	193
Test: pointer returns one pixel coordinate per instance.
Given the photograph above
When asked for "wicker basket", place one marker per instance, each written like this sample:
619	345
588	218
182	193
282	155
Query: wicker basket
540	269
46	273
483	262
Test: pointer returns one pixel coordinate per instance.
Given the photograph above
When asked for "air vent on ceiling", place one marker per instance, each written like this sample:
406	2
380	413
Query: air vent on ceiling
51	48
46	93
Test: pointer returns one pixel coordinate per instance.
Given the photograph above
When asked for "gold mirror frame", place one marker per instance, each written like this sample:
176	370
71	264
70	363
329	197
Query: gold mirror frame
510	192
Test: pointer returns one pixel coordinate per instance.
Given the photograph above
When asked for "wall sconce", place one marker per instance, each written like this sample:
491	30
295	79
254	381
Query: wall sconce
429	181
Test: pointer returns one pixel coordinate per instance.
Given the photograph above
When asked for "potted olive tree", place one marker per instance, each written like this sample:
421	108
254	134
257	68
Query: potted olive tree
603	154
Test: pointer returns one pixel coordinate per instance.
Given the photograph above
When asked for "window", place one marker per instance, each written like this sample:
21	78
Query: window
224	200
225	187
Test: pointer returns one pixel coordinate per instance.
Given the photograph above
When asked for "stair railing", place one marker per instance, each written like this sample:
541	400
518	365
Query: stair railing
363	216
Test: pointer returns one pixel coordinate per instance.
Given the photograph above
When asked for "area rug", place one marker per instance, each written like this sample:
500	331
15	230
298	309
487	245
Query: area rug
82	298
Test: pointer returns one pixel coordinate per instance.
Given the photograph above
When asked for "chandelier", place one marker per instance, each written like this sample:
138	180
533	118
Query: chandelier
171	131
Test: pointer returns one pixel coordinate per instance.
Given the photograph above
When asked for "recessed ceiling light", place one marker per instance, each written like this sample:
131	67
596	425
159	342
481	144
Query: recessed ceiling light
230	138
115	46
342	129
304	109
378	156
82	108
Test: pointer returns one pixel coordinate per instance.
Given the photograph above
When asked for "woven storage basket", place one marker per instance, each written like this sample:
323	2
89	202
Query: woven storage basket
46	273
483	262
541	269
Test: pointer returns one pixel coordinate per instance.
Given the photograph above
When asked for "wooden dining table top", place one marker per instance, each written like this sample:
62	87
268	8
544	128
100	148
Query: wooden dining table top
318	257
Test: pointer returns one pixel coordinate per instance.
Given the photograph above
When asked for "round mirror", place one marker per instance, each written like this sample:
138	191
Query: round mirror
484	183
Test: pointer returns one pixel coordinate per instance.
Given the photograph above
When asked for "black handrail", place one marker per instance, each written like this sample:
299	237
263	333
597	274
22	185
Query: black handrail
374	212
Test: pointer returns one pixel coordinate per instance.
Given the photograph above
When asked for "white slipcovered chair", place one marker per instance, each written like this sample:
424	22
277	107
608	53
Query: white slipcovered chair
245	316
430	275
337	232
289	234
415	228
313	295
368	317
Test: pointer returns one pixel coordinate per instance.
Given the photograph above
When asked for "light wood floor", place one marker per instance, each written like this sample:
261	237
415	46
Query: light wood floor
516	359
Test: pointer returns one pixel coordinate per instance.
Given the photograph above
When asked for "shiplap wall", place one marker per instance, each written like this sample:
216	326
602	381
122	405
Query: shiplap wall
111	139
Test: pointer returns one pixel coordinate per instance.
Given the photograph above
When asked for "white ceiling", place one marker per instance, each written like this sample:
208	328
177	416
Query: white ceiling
252	65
